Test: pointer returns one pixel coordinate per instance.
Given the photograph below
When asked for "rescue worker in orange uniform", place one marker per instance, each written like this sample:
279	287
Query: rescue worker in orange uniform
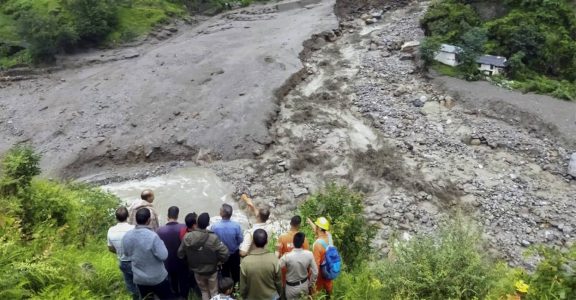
321	230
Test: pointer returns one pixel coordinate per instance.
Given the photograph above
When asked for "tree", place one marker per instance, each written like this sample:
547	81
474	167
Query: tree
428	49
518	69
449	19
472	44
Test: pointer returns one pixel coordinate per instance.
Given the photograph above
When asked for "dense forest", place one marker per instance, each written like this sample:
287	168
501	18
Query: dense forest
537	37
34	31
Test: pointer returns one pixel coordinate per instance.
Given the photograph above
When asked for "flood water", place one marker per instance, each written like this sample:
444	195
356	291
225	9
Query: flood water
191	189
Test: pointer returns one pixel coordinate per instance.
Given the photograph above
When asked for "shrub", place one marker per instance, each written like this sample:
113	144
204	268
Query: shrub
554	277
349	228
45	34
450	264
93	20
19	165
52	237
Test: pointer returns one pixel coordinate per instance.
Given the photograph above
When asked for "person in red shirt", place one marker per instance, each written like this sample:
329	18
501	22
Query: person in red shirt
190	221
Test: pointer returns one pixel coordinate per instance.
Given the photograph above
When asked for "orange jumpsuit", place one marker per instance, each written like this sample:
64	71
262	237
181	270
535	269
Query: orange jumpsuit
319	252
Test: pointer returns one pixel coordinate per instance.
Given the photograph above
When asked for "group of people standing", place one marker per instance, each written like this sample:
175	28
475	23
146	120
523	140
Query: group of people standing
214	261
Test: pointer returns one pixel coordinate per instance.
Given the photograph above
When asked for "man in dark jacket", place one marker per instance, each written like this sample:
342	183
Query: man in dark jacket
204	251
177	269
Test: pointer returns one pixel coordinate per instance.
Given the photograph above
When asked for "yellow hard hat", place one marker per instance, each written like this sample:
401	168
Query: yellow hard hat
521	286
322	223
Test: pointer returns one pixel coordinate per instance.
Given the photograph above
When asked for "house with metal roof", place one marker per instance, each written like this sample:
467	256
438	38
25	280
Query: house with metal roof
448	55
491	65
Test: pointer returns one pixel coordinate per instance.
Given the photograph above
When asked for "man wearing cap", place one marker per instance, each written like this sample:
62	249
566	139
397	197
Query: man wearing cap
321	227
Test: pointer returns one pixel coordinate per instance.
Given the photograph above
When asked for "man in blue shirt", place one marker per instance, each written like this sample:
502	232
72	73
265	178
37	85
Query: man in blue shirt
230	234
147	252
177	268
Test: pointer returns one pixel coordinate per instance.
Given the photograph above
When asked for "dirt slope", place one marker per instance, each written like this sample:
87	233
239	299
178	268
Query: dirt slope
208	90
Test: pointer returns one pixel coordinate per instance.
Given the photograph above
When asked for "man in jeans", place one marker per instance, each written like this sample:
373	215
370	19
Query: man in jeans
177	269
204	251
230	234
115	235
299	263
147	252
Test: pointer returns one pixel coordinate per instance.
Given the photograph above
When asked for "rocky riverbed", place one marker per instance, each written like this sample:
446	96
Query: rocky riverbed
357	111
362	114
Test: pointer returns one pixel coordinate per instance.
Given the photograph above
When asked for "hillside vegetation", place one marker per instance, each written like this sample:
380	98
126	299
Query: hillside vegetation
537	37
53	246
34	31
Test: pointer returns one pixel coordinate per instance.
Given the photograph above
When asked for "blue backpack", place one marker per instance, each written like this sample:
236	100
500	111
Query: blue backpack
332	264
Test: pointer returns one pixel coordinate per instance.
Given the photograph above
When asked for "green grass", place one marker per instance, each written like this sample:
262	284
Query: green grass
561	89
142	17
20	58
445	70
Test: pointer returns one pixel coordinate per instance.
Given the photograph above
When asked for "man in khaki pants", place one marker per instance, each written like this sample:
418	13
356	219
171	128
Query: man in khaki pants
299	263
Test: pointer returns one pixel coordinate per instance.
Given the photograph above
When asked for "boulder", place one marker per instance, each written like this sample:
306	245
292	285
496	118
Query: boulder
572	165
406	56
410	46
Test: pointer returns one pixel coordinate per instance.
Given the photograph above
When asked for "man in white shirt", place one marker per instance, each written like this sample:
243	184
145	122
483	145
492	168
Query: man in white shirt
262	216
115	235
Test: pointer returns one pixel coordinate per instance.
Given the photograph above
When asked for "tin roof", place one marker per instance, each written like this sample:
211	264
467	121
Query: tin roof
450	48
497	61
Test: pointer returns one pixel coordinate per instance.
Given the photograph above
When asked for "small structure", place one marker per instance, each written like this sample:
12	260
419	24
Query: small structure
448	55
491	65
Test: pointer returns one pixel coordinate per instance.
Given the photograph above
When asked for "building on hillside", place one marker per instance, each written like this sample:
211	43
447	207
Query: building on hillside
448	55
491	65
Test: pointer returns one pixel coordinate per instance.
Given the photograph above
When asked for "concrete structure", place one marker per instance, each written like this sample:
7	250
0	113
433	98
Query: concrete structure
491	65
448	55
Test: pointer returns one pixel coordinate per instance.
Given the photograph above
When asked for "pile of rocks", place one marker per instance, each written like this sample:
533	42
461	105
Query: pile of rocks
507	178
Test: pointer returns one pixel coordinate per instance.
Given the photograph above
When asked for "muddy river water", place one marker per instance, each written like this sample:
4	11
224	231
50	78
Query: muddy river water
191	189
